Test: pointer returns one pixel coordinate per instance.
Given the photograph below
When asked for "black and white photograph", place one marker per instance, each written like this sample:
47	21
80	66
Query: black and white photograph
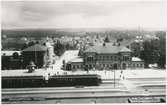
83	51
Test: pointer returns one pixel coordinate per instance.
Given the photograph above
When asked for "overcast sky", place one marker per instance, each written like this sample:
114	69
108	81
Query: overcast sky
80	14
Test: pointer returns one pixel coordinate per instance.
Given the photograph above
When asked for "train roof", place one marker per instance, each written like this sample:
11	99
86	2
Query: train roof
23	73
76	76
23	77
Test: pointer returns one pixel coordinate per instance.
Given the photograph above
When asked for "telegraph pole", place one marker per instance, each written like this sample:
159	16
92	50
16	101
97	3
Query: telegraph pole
114	78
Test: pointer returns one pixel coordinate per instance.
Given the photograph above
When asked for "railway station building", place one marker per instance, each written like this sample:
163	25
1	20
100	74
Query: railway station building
105	56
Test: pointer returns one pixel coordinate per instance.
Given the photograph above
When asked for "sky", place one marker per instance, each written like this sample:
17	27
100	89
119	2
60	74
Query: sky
83	14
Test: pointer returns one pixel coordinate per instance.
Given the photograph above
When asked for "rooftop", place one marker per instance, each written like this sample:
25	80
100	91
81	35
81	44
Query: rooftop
136	59
108	48
77	59
9	53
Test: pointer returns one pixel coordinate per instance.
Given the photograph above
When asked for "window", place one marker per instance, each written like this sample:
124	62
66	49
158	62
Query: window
133	65
89	58
73	66
137	65
115	58
103	65
107	57
103	57
127	58
99	57
92	58
111	57
77	66
141	65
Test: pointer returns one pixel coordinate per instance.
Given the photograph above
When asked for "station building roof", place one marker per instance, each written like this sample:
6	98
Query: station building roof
107	49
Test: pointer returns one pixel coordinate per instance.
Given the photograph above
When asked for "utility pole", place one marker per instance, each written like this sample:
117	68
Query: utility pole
114	78
35	56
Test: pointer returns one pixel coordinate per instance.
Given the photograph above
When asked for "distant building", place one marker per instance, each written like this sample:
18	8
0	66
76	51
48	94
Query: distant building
35	53
105	56
10	60
137	63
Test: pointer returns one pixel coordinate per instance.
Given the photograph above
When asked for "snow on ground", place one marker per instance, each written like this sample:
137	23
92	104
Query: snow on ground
141	73
24	72
145	73
71	54
68	55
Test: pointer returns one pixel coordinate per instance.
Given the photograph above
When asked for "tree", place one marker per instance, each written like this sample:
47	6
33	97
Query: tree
81	51
146	54
154	52
31	43
119	40
107	39
162	49
136	48
59	48
15	55
24	46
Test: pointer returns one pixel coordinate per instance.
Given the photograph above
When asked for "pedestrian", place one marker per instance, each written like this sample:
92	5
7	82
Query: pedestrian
121	71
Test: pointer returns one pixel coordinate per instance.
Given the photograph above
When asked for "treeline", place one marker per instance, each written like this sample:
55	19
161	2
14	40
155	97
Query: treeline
60	48
152	51
38	33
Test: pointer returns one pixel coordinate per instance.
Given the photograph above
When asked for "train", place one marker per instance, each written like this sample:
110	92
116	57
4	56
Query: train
23	81
52	81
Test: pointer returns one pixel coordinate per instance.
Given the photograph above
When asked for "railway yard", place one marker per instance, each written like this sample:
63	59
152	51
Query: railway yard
130	90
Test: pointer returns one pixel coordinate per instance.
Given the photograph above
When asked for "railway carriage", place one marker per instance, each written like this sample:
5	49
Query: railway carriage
22	81
74	80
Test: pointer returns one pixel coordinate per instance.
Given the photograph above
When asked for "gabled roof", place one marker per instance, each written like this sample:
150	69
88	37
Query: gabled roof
100	49
36	47
136	59
77	59
124	49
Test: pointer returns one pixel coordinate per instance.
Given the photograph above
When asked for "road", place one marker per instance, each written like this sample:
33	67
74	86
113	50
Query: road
105	93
